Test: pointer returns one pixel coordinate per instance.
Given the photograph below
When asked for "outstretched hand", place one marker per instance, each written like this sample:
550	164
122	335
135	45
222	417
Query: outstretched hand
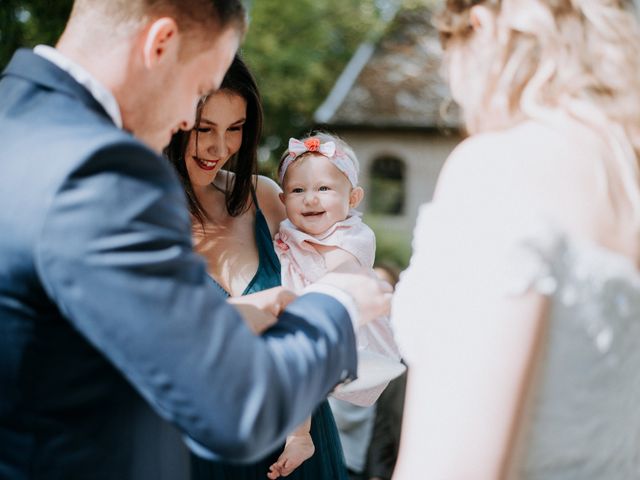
260	310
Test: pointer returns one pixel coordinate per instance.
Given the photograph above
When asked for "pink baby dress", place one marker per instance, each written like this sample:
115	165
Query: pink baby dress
302	265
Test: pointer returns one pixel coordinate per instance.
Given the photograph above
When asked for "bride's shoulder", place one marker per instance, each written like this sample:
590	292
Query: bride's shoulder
534	172
530	163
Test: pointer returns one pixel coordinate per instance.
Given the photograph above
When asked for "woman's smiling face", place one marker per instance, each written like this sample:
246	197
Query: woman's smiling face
216	137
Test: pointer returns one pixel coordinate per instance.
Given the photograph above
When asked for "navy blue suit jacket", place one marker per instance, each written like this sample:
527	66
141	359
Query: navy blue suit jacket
106	311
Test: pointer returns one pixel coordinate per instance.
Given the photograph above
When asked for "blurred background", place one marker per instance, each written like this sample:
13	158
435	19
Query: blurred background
367	70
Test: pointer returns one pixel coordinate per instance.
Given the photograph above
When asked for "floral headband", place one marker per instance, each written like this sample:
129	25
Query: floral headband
339	158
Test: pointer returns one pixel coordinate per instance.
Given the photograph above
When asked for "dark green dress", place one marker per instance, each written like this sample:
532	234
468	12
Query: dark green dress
327	461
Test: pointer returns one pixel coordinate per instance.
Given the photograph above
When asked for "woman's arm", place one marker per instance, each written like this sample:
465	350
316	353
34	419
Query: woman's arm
470	345
267	192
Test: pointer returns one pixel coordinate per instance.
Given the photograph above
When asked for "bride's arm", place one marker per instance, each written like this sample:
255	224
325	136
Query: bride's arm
469	345
467	385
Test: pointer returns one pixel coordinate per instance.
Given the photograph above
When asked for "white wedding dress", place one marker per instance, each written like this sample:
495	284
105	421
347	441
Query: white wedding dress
583	419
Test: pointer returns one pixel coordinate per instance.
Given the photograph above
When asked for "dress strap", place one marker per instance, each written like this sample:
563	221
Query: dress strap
254	196
268	274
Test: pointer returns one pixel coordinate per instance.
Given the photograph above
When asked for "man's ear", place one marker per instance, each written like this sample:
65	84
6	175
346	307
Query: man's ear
161	41
482	19
356	196
281	197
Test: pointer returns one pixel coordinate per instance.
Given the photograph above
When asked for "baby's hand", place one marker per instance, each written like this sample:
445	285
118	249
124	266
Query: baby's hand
297	449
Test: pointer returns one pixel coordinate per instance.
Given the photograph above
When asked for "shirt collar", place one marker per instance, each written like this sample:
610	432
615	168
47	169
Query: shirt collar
103	96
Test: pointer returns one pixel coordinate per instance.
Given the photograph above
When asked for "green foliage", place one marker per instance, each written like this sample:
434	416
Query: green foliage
297	49
387	196
393	245
26	23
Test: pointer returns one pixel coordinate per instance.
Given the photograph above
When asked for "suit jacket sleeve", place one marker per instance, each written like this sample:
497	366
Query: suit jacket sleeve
115	255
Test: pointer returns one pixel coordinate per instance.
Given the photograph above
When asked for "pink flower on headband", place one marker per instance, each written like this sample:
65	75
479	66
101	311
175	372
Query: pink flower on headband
312	144
297	148
327	149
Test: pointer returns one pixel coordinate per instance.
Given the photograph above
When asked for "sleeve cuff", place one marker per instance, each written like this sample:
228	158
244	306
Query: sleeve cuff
344	298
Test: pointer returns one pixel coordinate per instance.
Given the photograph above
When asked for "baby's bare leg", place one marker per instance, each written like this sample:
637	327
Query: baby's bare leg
298	448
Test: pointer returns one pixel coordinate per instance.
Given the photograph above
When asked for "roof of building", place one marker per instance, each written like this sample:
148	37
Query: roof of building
394	83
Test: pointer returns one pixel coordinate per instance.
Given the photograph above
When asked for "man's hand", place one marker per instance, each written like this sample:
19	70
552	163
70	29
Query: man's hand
260	310
371	295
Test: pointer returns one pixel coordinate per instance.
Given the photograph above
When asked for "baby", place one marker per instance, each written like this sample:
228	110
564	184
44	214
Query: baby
319	178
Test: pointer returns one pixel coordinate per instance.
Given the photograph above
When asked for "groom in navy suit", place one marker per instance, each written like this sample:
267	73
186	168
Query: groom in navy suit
109	325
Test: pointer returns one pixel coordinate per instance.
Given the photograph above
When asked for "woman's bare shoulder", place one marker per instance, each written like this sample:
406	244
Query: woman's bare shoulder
532	154
268	193
529	168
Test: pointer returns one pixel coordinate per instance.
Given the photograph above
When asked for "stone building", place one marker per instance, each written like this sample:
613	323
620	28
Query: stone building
390	105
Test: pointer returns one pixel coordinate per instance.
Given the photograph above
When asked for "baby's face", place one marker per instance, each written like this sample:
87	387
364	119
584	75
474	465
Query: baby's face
316	194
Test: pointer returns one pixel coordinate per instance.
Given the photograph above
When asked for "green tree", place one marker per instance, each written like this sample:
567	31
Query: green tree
297	50
26	23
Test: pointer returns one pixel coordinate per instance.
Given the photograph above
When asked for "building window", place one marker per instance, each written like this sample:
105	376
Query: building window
387	193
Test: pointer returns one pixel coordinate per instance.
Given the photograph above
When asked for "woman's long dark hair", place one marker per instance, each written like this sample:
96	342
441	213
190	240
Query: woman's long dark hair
243	164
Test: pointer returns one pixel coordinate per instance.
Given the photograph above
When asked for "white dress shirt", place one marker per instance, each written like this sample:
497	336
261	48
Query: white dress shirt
102	95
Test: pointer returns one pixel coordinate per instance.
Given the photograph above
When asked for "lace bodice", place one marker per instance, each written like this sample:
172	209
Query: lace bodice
584	421
600	287
584	418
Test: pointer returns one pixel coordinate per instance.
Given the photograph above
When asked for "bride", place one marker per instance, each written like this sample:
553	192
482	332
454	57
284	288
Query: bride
526	360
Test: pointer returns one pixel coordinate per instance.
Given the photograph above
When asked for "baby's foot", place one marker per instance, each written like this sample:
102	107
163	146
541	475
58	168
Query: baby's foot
297	449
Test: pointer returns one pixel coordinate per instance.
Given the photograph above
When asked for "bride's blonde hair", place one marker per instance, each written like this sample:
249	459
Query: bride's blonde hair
579	56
